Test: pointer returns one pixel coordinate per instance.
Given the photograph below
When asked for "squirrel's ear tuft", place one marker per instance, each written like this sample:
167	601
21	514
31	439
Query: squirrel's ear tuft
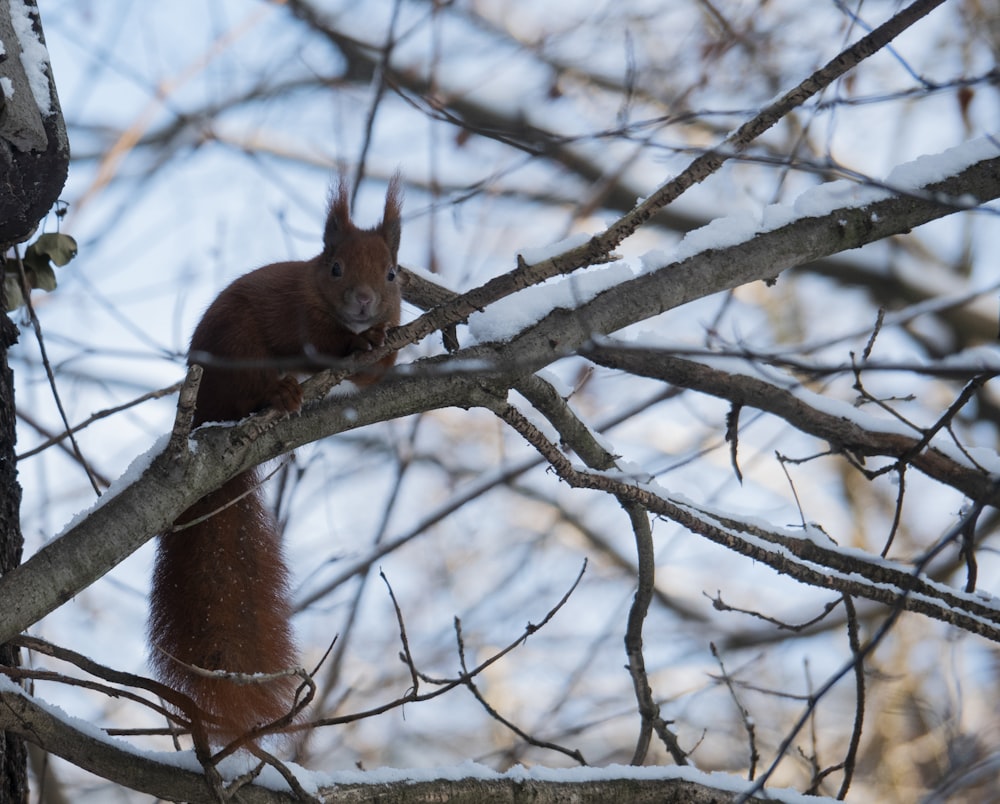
391	225
338	218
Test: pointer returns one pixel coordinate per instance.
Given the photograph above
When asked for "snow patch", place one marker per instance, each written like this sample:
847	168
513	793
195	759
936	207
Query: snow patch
933	168
505	318
131	474
533	256
824	199
34	56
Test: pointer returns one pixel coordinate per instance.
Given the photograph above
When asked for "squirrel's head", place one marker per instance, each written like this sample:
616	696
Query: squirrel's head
359	274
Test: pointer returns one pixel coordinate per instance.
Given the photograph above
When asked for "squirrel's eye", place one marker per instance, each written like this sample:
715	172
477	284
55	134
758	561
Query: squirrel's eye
337	269
391	276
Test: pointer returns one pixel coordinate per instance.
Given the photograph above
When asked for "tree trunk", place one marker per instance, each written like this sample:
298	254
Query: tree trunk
34	157
13	757
34	149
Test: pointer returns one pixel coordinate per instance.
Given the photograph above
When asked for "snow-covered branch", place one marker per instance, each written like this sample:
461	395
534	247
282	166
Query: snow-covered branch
147	503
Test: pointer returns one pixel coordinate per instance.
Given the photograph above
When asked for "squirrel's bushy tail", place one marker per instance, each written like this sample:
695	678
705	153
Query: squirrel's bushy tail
220	601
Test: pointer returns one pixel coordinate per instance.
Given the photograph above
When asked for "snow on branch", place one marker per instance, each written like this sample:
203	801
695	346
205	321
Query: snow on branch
115	530
806	556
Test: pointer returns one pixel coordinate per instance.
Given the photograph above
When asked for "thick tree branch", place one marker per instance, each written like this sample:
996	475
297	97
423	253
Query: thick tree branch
149	504
512	790
112	759
160	775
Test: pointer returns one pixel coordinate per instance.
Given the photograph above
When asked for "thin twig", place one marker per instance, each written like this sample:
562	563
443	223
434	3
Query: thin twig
36	326
733	437
897	514
470	684
101	414
180	703
380	86
247	493
407	657
720	605
748	724
859	685
447	684
286	773
860	655
879	320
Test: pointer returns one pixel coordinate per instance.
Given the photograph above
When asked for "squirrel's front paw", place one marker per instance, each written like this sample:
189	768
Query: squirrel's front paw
287	395
374	336
367	340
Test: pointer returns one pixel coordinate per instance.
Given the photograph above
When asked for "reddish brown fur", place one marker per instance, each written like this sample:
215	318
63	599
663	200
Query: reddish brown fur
220	587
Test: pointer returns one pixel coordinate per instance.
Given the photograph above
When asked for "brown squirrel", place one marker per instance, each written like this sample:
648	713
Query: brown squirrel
220	598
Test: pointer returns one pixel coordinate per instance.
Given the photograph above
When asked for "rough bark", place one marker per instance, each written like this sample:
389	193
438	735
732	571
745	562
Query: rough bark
34	158
13	759
34	149
159	776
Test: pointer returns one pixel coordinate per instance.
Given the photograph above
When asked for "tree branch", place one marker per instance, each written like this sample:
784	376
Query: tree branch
148	501
794	404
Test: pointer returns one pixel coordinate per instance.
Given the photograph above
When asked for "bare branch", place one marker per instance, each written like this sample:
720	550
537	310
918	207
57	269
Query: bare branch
791	402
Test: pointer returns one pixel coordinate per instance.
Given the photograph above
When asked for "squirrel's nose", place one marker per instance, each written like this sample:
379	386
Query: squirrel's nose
364	298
